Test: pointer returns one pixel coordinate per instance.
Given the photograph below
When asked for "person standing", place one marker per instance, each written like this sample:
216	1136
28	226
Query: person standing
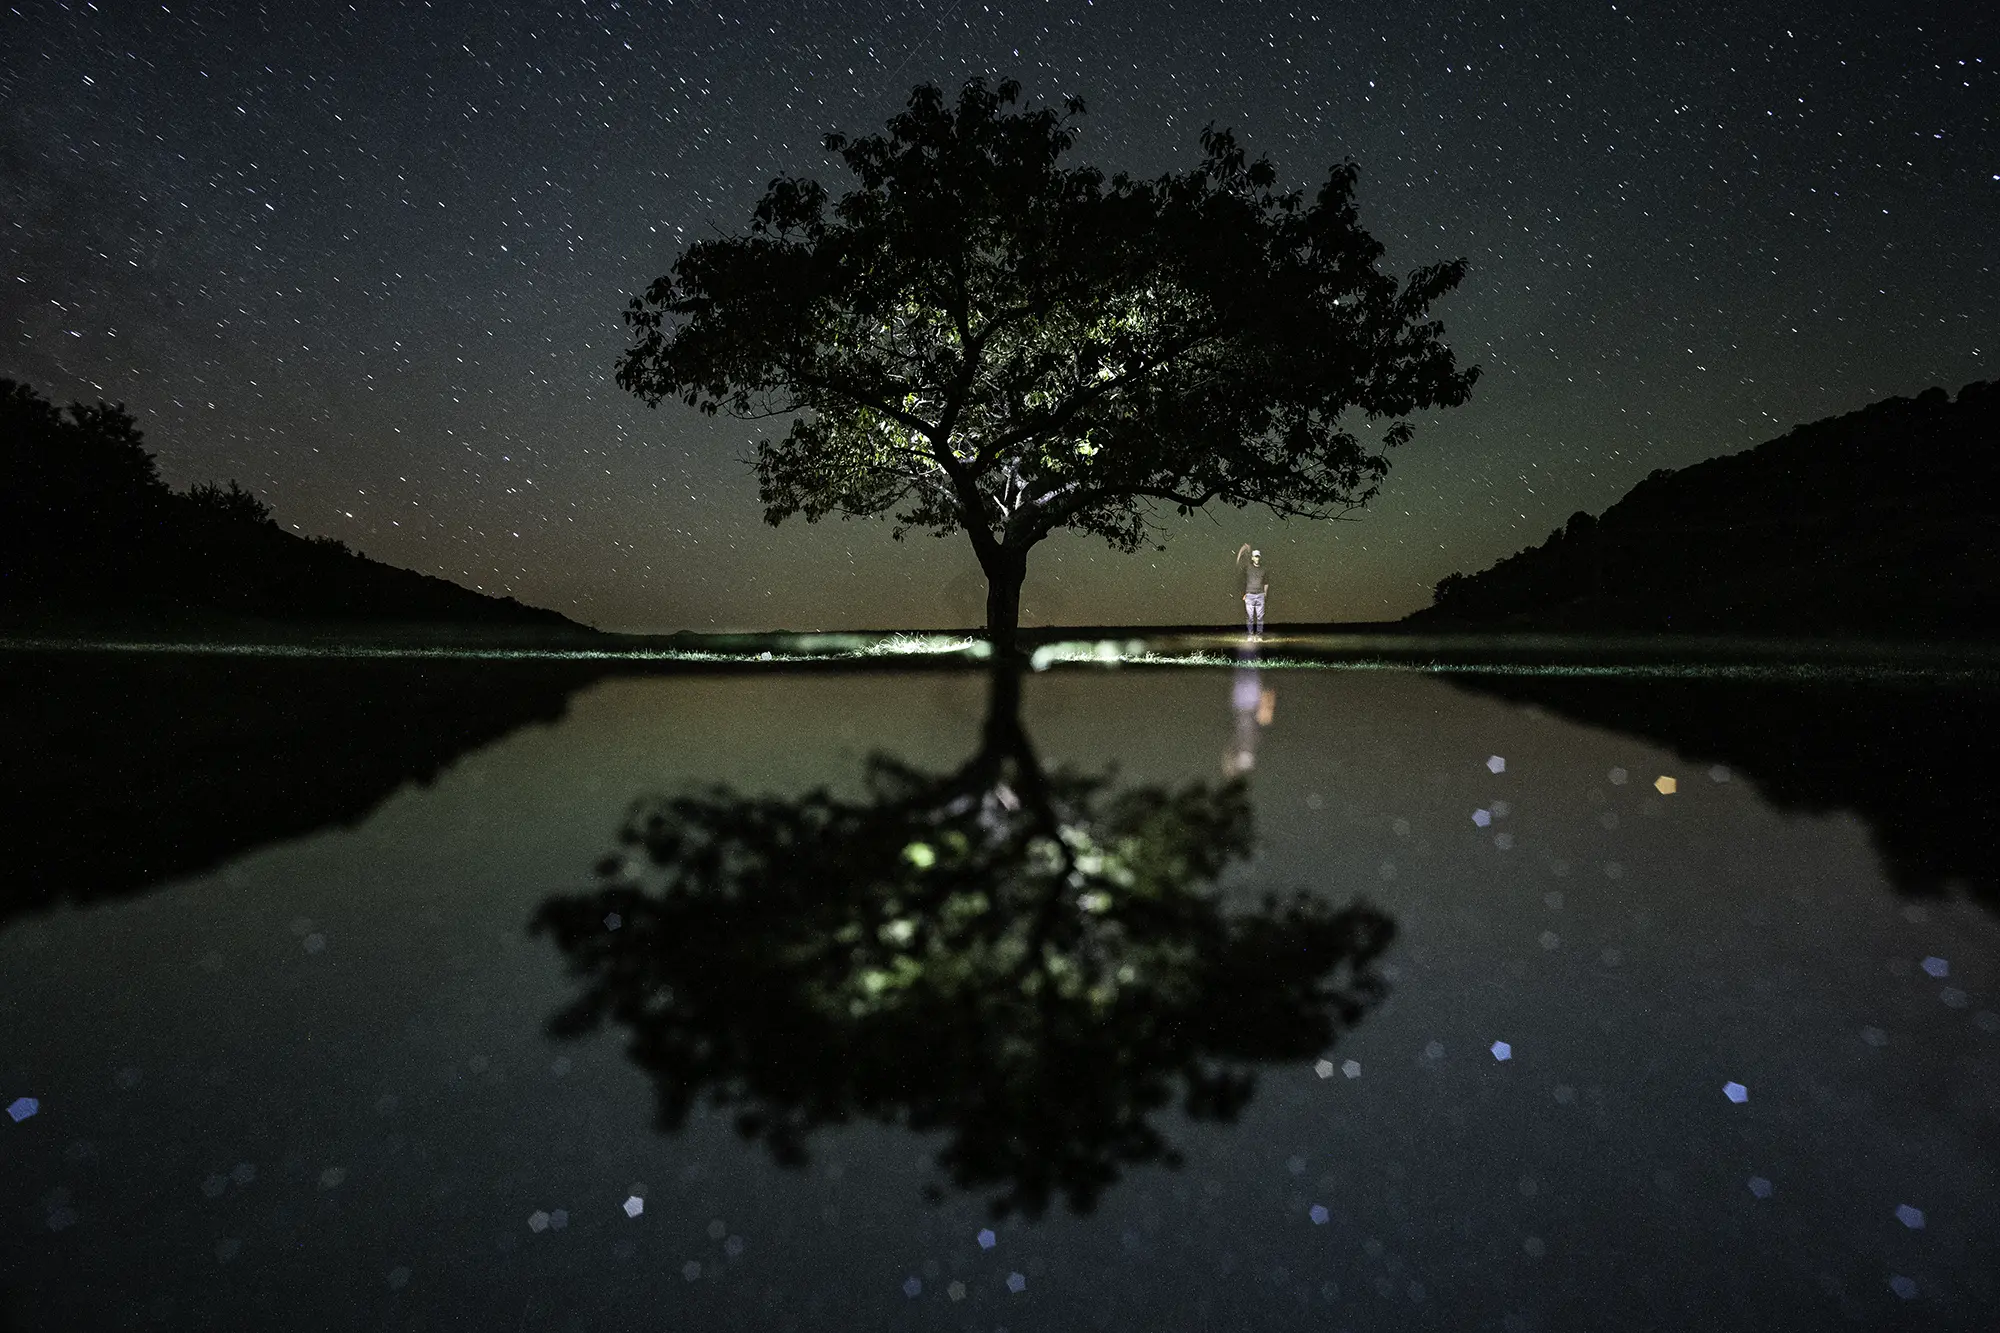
1255	585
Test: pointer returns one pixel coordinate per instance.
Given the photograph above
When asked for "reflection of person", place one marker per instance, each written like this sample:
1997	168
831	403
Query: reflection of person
1254	704
1255	585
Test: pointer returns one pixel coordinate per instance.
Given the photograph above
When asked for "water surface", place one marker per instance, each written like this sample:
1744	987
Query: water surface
1201	998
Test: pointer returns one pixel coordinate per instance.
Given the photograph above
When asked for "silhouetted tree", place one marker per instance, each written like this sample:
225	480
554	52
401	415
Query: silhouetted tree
234	505
1022	959
78	491
979	337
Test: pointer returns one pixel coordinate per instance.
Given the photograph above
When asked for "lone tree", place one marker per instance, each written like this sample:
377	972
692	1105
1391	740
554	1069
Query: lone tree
980	337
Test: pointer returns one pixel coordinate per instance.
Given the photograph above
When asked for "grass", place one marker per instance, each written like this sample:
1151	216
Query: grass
1328	648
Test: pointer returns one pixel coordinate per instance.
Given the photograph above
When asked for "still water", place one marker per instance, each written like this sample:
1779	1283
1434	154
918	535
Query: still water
341	996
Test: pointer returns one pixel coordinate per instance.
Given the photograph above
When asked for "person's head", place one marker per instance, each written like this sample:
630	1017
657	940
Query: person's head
1256	557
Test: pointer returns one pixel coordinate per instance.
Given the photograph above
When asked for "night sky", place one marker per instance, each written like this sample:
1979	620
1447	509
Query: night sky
370	259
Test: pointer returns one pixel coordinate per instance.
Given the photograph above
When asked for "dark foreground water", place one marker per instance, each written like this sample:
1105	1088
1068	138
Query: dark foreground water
346	995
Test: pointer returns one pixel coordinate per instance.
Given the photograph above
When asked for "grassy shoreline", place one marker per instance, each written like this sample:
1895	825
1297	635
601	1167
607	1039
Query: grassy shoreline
1367	646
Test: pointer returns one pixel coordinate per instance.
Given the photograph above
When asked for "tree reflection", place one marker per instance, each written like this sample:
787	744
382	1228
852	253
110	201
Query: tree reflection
1028	960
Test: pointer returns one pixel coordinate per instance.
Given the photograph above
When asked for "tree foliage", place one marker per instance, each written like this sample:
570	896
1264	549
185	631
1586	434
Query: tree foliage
71	464
981	337
231	504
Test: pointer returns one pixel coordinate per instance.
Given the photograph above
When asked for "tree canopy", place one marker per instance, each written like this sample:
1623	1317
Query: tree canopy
980	337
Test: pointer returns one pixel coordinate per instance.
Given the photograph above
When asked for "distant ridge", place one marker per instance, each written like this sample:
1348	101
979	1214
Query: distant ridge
90	534
1880	522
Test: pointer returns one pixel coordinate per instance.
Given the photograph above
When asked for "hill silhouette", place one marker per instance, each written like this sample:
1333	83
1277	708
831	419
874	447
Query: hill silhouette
87	527
1884	521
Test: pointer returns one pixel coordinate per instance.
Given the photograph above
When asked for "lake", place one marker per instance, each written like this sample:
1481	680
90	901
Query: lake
1278	992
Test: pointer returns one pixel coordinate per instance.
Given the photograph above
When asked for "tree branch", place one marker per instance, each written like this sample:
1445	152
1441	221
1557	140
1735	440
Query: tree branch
859	399
1063	415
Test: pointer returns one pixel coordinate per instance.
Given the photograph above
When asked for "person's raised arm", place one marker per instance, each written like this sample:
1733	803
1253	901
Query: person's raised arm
1242	551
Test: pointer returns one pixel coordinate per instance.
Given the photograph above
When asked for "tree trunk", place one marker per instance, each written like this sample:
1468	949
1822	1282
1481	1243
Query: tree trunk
1005	571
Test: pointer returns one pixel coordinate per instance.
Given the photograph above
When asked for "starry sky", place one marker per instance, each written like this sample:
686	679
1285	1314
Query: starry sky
369	259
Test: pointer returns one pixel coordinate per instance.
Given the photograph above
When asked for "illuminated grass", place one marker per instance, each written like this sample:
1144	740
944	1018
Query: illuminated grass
1803	663
371	651
824	648
1105	652
924	645
1797	672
